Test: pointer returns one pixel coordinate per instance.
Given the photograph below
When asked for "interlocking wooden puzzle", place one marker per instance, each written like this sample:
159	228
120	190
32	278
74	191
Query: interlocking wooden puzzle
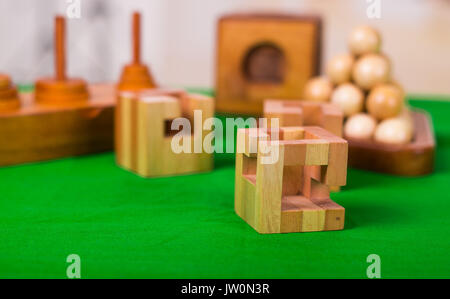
296	113
144	135
282	182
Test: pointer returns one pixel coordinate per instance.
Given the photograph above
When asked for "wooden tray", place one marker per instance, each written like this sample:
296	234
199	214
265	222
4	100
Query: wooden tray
414	159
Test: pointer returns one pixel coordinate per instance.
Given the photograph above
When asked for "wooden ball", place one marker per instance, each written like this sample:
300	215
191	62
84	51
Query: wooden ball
385	101
406	116
339	69
349	98
318	89
364	40
394	131
360	126
371	70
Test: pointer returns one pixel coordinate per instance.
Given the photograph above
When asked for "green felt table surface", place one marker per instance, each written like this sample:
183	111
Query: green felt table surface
124	226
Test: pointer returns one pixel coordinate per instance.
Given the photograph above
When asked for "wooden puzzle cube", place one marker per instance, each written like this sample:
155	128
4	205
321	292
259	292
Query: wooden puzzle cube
304	113
283	177
144	136
295	113
263	56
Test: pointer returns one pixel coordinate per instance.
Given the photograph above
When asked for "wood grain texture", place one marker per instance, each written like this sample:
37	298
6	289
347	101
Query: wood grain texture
143	142
325	115
297	38
304	113
292	194
9	99
37	132
413	159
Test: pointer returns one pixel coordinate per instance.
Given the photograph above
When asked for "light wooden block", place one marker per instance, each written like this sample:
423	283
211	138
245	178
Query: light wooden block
325	115
143	141
292	193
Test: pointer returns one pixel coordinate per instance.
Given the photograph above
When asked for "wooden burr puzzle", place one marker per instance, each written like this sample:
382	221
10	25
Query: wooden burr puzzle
64	117
144	136
303	113
289	193
262	56
296	113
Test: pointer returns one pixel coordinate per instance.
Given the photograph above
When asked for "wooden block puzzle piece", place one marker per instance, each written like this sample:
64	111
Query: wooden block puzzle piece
258	57
144	138
305	113
290	193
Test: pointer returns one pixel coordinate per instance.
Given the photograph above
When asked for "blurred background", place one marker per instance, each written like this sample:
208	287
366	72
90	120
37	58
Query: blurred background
179	37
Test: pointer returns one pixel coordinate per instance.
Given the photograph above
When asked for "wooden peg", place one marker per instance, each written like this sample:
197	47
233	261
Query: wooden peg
136	38
136	75
60	90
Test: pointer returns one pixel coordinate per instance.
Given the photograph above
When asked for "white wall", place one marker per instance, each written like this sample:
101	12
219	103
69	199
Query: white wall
179	37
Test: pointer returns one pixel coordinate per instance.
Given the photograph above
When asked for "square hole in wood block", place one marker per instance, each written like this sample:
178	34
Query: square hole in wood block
292	180
249	168
168	132
286	134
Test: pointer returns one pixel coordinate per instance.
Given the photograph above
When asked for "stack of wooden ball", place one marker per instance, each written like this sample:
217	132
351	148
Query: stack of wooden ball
361	84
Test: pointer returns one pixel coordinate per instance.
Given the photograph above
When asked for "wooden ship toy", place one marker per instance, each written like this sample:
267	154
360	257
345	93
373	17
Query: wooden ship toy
296	113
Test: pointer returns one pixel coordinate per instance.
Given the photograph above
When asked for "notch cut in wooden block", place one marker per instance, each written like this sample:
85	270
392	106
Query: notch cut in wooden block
285	187
292	113
144	141
264	55
304	113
